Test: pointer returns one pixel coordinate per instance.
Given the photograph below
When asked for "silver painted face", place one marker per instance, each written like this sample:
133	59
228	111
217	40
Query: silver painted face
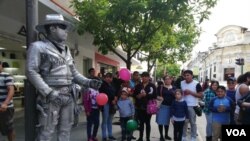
59	33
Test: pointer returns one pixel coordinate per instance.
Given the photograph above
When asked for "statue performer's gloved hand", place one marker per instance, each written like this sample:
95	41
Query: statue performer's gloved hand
95	84
54	97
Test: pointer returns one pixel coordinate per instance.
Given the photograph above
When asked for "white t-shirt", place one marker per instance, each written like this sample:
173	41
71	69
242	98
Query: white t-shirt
237	97
190	99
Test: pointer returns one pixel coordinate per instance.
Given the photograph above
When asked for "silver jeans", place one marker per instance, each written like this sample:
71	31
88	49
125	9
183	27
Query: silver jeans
56	116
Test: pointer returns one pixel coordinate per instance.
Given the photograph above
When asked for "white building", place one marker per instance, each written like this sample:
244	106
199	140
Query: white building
218	63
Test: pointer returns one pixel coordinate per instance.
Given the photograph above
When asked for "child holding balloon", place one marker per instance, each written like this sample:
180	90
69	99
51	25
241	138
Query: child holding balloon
92	112
127	110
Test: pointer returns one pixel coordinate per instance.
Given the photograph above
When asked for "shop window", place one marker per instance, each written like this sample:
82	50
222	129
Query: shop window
12	56
104	68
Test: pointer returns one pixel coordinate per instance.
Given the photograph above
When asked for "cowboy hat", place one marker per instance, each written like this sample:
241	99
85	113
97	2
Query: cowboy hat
54	19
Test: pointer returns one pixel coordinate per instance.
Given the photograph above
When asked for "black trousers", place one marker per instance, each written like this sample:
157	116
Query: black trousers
178	130
144	118
125	133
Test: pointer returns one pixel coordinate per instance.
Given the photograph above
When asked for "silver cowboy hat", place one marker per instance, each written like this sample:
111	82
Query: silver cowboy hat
54	19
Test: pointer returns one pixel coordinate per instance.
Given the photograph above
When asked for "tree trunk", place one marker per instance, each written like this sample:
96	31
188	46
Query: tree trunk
150	67
128	64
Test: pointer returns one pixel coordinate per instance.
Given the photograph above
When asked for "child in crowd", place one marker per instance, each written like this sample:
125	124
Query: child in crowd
221	106
92	112
127	110
179	114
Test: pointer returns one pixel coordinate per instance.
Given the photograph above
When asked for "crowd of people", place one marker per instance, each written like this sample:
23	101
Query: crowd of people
222	105
130	98
226	105
51	69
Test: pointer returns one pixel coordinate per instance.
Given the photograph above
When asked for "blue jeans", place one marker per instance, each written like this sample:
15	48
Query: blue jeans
209	124
192	120
106	121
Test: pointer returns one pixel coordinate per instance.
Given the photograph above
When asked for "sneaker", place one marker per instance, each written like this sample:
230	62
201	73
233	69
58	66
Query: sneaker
94	139
112	138
133	138
162	139
129	138
193	139
123	138
167	137
140	139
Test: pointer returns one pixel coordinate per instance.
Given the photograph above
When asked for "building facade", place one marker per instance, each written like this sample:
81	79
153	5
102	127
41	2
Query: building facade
218	63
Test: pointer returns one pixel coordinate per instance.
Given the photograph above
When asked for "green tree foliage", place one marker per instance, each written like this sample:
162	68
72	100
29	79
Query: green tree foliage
171	45
170	69
131	24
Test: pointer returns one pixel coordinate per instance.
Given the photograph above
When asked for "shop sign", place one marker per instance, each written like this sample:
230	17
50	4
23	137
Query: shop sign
22	31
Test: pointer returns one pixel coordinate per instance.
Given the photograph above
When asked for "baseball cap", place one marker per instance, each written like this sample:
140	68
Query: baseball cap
125	89
231	79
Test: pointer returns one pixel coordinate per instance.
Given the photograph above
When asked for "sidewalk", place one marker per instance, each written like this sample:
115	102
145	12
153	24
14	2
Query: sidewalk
79	133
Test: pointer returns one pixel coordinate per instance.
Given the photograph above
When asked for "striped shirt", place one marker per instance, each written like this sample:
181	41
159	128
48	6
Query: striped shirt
5	80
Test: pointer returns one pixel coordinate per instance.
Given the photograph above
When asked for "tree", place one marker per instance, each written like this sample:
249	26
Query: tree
170	69
171	45
130	24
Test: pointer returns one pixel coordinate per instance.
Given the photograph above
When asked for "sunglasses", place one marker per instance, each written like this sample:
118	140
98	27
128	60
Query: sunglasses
62	26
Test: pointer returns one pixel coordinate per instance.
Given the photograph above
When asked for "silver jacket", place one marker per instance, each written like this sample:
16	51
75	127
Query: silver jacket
46	67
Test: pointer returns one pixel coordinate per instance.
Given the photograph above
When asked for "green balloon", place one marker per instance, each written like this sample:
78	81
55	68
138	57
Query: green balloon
131	125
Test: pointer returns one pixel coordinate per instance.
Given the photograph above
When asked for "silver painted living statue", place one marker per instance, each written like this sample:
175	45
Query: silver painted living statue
50	68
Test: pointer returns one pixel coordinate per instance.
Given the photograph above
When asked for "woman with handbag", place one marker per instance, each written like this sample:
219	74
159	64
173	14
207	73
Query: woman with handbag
165	93
143	93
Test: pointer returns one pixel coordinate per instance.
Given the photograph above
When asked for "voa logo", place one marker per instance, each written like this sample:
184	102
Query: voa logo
236	132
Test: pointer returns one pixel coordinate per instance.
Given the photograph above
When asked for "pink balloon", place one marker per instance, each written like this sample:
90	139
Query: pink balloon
125	74
101	99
